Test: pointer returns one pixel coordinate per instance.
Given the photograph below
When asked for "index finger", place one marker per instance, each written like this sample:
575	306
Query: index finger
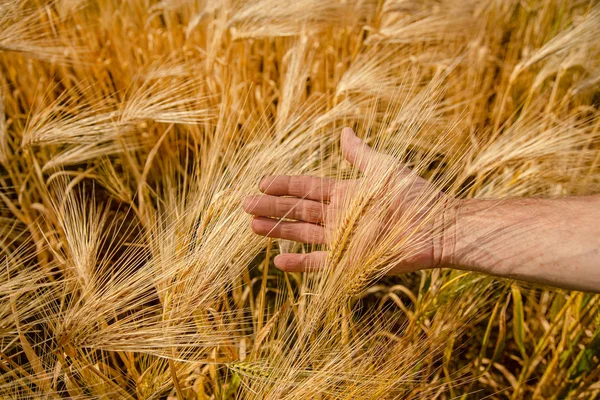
303	186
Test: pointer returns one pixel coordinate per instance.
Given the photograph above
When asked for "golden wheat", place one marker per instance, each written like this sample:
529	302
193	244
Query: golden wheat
130	133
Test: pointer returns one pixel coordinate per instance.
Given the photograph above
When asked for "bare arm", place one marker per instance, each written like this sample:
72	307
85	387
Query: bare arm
553	242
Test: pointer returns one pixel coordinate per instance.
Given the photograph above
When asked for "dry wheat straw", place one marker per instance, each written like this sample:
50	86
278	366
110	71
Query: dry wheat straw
130	132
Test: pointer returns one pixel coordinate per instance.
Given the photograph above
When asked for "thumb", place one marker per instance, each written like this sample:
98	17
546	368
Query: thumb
358	153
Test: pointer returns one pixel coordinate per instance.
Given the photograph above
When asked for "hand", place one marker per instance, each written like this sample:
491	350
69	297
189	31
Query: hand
313	208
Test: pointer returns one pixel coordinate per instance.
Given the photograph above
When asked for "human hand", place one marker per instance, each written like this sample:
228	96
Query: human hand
313	210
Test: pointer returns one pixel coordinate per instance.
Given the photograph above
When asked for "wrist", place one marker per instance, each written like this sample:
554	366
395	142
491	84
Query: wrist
455	228
475	232
444	242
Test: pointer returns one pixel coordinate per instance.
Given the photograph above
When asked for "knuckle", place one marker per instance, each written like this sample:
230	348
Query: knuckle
287	206
312	184
312	212
302	260
288	202
278	207
296	185
307	232
313	233
287	230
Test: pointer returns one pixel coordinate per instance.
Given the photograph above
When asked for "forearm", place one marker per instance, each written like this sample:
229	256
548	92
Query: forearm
554	242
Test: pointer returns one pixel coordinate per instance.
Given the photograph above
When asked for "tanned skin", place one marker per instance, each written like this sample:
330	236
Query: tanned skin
553	242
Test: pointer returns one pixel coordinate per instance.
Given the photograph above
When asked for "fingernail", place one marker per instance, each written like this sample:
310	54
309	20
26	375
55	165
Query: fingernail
260	183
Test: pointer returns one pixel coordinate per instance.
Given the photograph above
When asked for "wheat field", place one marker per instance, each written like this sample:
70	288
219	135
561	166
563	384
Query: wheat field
131	132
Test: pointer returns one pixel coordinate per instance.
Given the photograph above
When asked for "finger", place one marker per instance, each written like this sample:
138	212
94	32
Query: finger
359	154
307	187
297	231
291	262
285	207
